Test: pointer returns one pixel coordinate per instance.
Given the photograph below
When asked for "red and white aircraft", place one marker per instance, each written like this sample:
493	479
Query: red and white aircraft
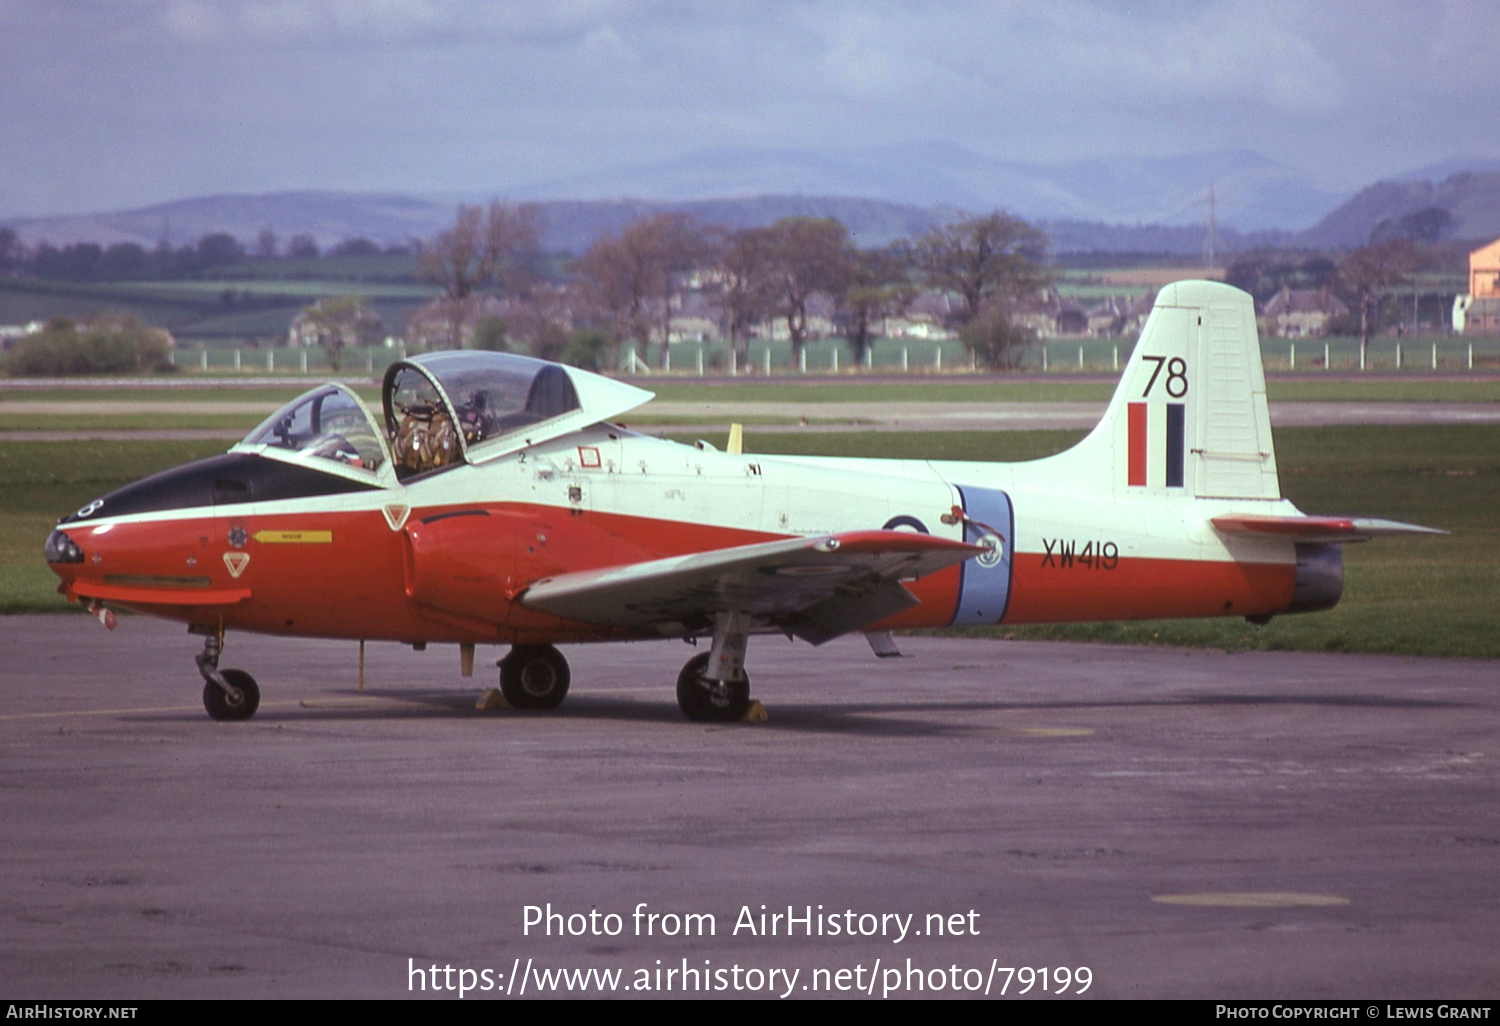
494	502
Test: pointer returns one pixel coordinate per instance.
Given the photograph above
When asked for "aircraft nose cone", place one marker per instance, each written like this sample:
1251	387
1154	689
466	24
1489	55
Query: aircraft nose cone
60	548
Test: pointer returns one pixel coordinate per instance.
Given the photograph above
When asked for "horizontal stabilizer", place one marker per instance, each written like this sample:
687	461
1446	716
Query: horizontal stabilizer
1317	529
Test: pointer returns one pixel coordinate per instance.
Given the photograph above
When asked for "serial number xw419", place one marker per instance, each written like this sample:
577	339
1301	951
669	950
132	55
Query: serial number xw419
1064	554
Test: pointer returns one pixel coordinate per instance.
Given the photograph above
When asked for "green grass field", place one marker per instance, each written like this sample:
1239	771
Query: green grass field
1425	596
182	391
41	481
129	422
1035	389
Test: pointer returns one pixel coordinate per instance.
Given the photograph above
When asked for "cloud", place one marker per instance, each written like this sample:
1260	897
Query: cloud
454	94
195	21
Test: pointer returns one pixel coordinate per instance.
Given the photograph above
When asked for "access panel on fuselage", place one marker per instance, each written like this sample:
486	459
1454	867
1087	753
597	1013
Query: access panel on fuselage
984	584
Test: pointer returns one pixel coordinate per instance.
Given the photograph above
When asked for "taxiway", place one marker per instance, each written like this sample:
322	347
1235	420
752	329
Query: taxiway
1182	823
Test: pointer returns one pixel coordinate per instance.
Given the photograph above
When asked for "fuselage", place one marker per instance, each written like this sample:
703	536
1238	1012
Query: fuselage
252	542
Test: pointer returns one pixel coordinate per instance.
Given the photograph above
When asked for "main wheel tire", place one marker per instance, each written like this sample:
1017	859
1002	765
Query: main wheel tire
706	701
221	707
534	677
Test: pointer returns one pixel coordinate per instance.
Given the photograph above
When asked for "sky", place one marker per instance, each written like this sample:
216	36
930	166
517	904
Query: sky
109	104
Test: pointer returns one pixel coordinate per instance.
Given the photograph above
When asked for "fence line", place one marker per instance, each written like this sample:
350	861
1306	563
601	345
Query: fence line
914	357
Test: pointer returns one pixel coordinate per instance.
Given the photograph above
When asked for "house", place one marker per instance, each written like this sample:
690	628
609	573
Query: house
1107	319
695	318
1478	313
336	323
1484	272
10	334
1301	313
926	317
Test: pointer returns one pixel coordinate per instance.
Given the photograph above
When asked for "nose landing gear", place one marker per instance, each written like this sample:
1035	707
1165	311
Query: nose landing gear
227	694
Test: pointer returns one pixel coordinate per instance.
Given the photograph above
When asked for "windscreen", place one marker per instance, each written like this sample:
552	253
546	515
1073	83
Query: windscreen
327	423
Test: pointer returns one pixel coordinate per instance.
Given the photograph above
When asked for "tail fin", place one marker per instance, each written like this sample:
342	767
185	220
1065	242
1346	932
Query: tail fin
1189	416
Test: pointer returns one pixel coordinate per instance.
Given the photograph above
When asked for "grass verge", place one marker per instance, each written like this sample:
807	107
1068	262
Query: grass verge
1421	596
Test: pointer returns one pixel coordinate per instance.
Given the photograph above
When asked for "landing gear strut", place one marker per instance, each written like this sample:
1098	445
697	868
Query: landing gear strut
713	687
227	694
534	677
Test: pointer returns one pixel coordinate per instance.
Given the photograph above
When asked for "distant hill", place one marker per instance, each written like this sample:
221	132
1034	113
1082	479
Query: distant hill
1076	237
1472	198
571	225
901	191
331	217
1252	192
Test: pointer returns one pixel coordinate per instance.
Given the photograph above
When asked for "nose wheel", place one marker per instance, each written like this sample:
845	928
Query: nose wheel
227	694
239	704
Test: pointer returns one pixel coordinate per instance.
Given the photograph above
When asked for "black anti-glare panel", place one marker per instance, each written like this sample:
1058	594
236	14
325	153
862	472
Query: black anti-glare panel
227	480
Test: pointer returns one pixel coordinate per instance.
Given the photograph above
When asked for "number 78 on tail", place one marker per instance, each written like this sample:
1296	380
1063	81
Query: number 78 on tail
493	499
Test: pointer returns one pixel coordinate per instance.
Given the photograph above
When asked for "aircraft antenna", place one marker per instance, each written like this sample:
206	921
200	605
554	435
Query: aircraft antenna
1212	238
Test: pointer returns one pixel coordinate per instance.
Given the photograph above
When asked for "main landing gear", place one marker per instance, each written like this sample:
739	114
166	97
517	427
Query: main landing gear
534	677
713	687
227	694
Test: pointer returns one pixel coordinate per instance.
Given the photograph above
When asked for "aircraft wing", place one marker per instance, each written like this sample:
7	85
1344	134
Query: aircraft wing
1317	529
816	588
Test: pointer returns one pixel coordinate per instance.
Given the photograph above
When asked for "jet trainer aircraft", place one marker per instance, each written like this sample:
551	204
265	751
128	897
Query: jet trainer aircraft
493	501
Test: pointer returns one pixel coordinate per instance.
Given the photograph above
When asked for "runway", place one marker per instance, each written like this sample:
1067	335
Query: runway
1181	824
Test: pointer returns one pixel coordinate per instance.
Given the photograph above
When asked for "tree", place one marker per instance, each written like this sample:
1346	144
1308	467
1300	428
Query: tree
302	247
746	289
807	256
989	261
338	323
12	251
266	244
1365	275
587	348
632	277
112	344
485	247
541	320
219	248
125	260
1263	273
355	248
995	341
877	284
79	261
489	333
1426	225
984	259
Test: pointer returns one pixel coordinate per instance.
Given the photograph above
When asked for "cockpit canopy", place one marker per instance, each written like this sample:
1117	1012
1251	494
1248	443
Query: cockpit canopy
440	410
442	405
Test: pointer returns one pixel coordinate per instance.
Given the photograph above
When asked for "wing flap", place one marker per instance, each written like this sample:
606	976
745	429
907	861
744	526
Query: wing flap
817	588
1317	529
